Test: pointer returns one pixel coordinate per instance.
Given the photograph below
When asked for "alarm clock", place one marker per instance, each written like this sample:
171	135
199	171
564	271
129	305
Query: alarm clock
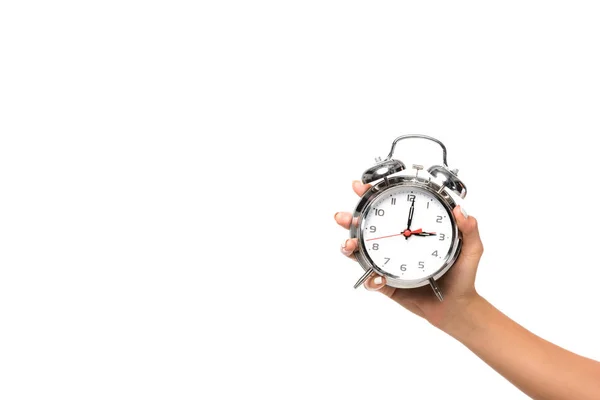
404	225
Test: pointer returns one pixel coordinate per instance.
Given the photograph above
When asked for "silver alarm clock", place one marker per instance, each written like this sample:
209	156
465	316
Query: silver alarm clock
404	225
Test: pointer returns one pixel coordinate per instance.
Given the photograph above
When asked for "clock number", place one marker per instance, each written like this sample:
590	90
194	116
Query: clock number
393	201
428	205
421	264
410	197
379	211
434	253
372	229
439	219
403	267
442	236
386	260
375	246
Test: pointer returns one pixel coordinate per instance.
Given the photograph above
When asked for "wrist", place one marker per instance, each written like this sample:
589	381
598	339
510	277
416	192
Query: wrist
465	317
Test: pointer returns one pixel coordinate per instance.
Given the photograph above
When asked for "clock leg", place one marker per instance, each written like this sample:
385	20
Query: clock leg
363	278
436	289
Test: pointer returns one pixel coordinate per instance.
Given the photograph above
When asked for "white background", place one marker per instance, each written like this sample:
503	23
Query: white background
169	172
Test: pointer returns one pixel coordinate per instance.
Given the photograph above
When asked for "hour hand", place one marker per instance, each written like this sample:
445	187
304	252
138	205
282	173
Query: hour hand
419	232
424	234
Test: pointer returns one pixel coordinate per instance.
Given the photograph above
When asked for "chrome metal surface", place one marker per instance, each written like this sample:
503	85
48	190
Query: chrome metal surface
449	179
418	168
382	169
363	208
436	289
416	136
363	278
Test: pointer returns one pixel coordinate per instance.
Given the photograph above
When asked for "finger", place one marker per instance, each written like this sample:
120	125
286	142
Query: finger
375	282
349	247
343	219
472	246
360	188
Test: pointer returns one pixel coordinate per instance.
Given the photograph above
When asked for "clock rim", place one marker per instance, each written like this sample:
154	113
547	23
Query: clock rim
378	190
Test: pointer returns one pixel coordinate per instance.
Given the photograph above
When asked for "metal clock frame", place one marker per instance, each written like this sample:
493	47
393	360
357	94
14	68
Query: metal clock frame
384	172
364	206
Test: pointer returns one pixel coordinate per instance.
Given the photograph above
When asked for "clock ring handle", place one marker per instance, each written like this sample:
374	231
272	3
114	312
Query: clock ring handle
417	136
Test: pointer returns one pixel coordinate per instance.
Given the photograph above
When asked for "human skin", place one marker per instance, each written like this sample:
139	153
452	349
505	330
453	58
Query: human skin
537	367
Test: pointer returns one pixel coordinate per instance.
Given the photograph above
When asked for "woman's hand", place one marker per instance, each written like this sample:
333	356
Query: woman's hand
458	285
539	368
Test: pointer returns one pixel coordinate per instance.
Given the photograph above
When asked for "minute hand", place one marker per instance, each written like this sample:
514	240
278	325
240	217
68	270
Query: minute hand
410	214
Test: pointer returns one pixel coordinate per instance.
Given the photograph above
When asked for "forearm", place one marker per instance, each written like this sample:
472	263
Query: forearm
540	369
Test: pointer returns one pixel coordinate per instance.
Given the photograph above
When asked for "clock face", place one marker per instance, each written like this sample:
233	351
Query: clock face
408	250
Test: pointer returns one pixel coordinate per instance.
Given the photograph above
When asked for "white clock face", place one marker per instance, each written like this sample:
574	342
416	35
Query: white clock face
407	250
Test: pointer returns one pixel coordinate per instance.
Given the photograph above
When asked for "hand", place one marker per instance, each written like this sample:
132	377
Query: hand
411	212
419	232
458	284
407	233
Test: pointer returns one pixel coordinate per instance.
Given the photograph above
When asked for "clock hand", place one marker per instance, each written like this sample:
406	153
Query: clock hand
406	233
411	212
410	215
383	237
419	232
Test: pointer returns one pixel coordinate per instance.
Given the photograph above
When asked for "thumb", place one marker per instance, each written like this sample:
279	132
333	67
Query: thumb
472	248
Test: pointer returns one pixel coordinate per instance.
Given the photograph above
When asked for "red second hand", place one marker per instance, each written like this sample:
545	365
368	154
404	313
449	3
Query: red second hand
383	237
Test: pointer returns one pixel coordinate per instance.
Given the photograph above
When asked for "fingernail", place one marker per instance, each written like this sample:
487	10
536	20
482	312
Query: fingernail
375	284
344	250
335	215
464	212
